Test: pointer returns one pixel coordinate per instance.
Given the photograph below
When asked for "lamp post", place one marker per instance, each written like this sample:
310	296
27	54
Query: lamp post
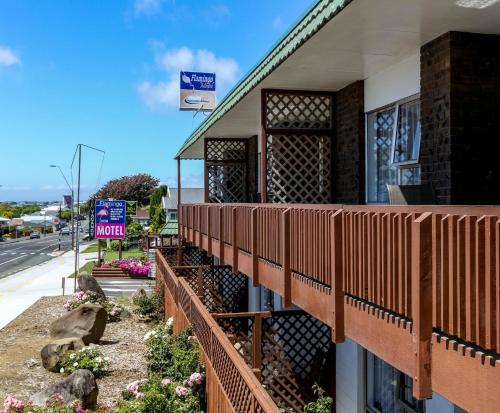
72	205
77	247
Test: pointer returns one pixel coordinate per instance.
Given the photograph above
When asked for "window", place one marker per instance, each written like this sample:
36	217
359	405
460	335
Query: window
172	216
388	390
392	148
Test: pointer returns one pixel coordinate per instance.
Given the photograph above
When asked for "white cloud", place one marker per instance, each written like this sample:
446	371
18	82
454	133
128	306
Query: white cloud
8	57
278	23
147	7
165	93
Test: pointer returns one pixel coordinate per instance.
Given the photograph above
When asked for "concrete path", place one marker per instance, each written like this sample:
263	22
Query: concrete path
121	287
19	291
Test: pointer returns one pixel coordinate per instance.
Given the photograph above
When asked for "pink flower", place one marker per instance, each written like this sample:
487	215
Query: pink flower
166	382
12	404
181	391
139	395
196	378
133	387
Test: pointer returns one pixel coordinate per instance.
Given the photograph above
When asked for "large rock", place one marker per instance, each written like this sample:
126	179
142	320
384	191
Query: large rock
53	352
87	282
80	385
87	322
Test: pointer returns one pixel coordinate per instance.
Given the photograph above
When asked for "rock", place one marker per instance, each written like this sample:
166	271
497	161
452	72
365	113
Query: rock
87	322
53	352
80	385
87	282
139	293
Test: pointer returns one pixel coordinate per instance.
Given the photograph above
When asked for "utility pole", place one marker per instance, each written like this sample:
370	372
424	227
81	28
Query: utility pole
77	240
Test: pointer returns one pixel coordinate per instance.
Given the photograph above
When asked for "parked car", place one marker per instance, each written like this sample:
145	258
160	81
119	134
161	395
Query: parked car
65	231
34	234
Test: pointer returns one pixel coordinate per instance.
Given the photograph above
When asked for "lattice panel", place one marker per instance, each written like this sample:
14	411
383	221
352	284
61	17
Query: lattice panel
240	333
191	256
299	169
225	150
223	290
226	170
295	353
298	111
227	183
296	348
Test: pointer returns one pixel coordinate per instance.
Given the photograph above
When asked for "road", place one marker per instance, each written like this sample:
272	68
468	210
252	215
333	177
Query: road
16	256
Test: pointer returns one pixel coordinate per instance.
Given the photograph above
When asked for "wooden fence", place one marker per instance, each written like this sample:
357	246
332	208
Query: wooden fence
231	385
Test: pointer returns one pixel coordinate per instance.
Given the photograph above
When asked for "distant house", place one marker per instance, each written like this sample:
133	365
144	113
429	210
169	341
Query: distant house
142	217
188	196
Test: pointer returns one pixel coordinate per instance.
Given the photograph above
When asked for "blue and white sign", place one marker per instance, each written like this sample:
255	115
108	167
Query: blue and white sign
197	91
110	219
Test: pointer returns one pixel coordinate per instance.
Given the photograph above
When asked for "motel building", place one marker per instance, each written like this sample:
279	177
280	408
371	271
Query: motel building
350	231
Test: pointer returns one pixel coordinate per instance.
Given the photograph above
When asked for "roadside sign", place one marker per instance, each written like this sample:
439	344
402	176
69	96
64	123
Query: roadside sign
131	208
197	91
92	219
110	219
16	222
68	201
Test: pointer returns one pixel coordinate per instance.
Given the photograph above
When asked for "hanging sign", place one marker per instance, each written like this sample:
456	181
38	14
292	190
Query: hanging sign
197	91
110	219
131	208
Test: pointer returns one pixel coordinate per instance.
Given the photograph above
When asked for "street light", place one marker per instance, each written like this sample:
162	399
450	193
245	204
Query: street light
77	248
72	205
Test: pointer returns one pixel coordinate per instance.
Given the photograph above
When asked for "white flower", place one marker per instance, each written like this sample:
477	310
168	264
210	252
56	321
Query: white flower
72	355
99	359
106	358
61	370
149	334
170	322
75	364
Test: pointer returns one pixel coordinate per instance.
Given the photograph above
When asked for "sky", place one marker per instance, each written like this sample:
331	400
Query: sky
105	74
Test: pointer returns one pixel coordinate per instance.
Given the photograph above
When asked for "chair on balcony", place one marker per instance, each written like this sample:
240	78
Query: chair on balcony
411	194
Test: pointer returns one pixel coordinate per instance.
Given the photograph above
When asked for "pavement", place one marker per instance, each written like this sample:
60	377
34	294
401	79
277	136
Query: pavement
122	287
26	253
20	290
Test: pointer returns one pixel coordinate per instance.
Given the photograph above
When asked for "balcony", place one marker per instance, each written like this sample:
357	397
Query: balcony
417	286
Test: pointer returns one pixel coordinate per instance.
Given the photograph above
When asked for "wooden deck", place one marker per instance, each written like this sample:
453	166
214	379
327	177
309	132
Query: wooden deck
417	286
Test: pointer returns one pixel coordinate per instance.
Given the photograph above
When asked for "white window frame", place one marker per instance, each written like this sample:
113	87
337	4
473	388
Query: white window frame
400	165
412	162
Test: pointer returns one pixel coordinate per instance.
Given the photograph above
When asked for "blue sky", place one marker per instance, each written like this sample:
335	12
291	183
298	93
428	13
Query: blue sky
104	73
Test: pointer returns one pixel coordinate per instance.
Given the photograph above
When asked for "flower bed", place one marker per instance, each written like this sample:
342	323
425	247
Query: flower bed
113	309
135	267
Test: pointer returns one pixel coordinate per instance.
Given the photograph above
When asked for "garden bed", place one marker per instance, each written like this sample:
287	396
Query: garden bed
21	371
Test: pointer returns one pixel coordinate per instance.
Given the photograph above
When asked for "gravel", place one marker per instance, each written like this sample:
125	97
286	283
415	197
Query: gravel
21	371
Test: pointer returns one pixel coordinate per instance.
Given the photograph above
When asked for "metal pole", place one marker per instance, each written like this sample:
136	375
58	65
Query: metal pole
77	249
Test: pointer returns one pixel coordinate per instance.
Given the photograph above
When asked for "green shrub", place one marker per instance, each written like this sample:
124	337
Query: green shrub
149	305
114	245
322	405
89	358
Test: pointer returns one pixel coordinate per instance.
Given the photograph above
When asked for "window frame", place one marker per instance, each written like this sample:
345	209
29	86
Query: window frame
400	165
397	106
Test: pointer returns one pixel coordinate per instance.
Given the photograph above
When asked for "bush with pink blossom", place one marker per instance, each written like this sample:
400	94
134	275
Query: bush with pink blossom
136	267
55	404
79	298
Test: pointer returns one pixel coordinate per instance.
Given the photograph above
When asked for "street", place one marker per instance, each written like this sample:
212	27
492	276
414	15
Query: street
16	256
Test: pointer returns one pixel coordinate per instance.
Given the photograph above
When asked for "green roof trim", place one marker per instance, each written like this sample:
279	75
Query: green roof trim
169	228
308	25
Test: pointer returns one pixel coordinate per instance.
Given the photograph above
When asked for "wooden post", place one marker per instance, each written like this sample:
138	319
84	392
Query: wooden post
257	345
263	150
221	235
200	284
255	255
209	237
235	241
179	201
120	247
285	257
421	303
98	252
200	237
338	335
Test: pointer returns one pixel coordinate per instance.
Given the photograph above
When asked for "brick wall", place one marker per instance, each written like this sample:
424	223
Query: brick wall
349	144
460	101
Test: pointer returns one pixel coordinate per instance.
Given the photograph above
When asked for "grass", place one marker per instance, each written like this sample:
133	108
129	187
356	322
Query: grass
87	267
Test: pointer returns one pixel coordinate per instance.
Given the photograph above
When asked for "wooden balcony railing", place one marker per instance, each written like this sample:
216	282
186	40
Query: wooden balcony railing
429	269
231	385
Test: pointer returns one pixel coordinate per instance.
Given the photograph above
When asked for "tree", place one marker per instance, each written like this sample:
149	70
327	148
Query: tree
156	213
131	188
65	215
